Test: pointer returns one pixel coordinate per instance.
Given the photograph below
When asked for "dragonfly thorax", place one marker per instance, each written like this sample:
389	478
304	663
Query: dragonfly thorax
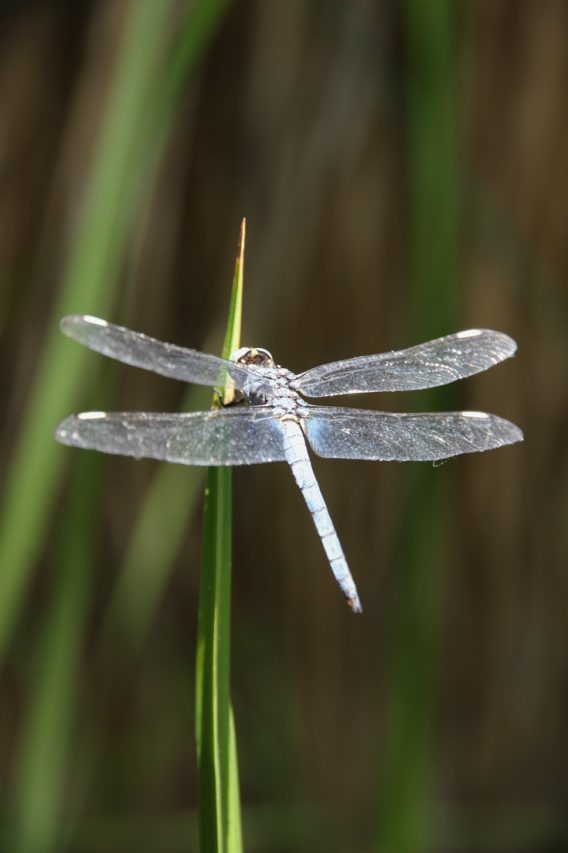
270	383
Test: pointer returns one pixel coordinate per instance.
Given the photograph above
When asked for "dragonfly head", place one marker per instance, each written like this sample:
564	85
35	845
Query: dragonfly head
255	356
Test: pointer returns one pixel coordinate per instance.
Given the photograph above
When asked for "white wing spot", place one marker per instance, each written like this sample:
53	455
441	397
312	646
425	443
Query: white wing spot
475	414
91	416
95	321
346	431
469	333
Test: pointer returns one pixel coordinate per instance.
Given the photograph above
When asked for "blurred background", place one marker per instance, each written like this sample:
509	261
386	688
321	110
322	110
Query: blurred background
403	167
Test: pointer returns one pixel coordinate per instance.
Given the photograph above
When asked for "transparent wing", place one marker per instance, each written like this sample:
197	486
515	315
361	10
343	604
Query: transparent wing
339	433
424	366
139	350
218	437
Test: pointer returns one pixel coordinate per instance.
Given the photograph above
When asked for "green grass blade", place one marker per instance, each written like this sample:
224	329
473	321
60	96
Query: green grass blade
200	24
233	334
43	757
434	211
142	98
219	809
113	186
173	494
234	801
213	665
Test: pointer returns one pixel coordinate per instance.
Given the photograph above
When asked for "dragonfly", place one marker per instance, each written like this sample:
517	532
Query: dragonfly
266	418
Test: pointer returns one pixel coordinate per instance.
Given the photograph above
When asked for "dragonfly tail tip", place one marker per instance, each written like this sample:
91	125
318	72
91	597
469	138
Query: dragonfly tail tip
355	604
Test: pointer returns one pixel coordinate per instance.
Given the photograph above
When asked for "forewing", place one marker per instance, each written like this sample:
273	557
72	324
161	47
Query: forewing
219	437
170	360
339	433
437	362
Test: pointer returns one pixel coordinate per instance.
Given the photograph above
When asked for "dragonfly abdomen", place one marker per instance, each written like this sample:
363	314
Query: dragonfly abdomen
299	461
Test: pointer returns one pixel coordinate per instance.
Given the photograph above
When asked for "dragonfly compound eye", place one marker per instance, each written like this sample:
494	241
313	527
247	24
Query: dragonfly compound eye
255	356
